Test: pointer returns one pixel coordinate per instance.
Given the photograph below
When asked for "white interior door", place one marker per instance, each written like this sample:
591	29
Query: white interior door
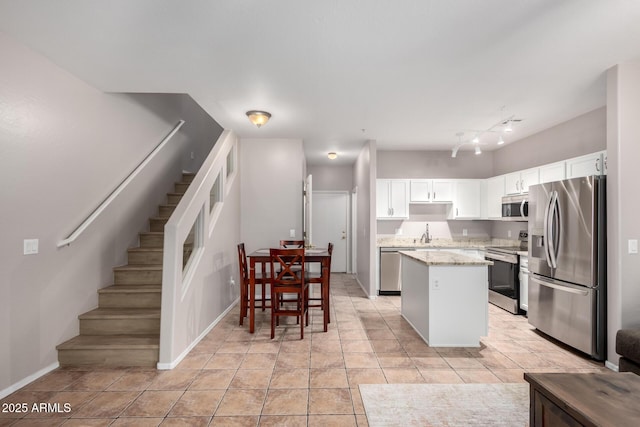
330	222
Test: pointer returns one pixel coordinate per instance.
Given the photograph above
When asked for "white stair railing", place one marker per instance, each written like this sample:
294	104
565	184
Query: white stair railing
111	197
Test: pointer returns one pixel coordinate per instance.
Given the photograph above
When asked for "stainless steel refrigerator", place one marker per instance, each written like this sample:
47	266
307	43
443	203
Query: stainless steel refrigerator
567	262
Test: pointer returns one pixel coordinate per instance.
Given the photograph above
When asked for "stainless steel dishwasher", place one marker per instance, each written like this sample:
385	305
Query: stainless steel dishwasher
391	271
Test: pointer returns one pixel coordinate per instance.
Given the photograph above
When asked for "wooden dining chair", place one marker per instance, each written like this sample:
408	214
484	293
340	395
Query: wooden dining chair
292	244
317	278
287	279
261	279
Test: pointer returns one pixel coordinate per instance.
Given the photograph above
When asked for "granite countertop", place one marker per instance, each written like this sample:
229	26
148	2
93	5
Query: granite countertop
412	242
444	258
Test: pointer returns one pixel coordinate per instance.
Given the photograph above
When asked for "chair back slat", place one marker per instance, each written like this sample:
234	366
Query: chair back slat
287	266
292	244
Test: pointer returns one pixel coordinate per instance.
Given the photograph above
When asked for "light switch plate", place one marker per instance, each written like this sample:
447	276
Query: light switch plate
633	246
464	232
30	246
292	232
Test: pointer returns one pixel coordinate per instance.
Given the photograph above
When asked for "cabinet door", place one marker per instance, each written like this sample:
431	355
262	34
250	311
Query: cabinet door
512	183
399	199
552	172
383	209
591	164
467	203
495	192
420	190
442	191
528	177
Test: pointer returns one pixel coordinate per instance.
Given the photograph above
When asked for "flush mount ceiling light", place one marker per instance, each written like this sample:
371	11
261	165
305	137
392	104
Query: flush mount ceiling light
332	155
258	118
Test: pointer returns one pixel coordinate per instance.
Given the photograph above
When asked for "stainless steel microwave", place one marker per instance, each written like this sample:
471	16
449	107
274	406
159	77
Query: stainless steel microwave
515	207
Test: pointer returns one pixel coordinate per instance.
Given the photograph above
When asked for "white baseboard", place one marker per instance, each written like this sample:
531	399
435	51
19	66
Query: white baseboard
611	366
365	290
31	378
174	363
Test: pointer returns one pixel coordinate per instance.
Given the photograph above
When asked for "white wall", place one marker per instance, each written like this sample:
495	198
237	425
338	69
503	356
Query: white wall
364	179
623	205
64	146
271	180
433	164
331	178
581	135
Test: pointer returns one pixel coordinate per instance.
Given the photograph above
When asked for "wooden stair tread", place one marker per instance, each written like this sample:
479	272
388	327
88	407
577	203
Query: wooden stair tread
113	342
130	289
145	249
138	267
121	313
152	233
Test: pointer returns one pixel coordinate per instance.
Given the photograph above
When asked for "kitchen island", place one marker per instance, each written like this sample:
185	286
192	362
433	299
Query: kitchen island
445	297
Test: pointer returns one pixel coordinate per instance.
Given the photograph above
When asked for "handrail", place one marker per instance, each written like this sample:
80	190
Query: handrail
106	202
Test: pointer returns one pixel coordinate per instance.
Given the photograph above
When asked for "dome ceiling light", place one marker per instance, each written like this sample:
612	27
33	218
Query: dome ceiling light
258	118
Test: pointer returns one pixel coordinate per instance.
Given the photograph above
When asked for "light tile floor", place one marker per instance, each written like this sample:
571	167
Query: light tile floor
233	378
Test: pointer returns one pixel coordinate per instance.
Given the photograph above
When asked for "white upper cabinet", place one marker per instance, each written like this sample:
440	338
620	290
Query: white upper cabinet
468	199
392	200
431	190
590	164
553	172
495	193
519	182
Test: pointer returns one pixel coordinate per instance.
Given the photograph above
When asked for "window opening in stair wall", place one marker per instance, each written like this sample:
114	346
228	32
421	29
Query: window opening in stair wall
192	243
231	161
215	194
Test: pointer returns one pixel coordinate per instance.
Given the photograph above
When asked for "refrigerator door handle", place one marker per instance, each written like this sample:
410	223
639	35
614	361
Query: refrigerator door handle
545	232
552	237
572	289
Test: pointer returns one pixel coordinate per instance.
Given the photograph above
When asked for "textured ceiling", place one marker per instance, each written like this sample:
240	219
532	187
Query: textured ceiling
409	74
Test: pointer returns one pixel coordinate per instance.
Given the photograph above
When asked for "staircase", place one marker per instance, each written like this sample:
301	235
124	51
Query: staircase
125	328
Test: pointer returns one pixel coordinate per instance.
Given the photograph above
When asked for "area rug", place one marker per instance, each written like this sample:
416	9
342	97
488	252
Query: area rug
446	405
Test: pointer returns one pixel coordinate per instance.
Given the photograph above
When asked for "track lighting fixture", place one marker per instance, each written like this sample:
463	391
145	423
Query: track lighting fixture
504	125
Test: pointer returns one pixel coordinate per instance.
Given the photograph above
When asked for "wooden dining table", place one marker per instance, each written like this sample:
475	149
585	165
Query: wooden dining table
262	257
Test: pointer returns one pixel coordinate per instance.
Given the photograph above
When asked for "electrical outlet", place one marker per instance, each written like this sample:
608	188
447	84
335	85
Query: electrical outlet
30	246
508	233
464	232
398	231
192	155
436	285
232	282
292	232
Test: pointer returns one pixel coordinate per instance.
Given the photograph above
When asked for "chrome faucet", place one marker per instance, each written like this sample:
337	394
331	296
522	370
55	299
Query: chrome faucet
425	236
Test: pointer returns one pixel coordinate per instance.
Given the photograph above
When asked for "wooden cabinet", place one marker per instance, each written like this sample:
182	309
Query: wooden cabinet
392	199
519	182
431	190
467	204
590	164
583	399
552	172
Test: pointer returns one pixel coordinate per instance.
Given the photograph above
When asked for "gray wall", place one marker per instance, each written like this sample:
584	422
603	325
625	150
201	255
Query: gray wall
64	146
331	178
364	178
623	205
271	178
582	135
433	164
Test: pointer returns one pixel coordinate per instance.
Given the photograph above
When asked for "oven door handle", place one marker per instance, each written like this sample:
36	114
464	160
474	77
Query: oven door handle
500	257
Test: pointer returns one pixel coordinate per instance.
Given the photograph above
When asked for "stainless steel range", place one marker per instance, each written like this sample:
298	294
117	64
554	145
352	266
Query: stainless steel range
504	285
